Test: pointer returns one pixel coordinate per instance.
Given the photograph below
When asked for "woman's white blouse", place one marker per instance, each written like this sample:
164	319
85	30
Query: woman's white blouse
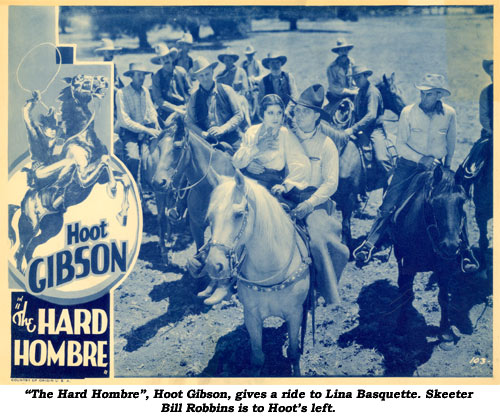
289	154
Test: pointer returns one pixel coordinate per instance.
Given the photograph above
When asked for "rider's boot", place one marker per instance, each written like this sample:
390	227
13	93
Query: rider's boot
222	291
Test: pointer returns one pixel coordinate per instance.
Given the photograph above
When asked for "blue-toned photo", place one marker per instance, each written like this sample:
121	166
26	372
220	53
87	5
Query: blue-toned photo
316	187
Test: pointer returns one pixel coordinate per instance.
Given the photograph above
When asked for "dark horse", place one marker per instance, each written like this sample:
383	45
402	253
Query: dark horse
186	157
353	176
152	154
83	162
475	174
427	237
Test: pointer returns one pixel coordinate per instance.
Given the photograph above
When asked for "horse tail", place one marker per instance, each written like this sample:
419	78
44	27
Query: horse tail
12	233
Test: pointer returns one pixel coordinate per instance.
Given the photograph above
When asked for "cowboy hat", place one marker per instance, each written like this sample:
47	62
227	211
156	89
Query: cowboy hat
201	63
273	56
161	51
186	38
135	68
106	45
486	65
341	44
249	50
313	98
361	69
228	53
434	81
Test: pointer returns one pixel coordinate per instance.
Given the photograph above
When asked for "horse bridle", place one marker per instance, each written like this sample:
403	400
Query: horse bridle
234	256
432	225
177	190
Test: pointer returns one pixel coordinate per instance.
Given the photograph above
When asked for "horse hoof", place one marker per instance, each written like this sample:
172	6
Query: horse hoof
447	346
122	219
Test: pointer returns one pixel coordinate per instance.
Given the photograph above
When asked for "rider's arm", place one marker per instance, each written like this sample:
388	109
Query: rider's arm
297	163
451	137
404	132
233	122
336	83
248	148
329	173
371	113
124	119
484	114
27	109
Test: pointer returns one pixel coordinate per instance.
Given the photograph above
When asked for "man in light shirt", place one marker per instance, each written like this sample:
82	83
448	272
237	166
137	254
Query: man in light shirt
427	133
329	254
136	115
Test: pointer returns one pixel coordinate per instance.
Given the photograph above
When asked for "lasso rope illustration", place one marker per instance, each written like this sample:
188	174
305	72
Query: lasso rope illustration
50	81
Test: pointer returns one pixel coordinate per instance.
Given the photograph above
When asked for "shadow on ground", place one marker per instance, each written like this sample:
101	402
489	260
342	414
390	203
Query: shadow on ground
379	305
182	302
232	354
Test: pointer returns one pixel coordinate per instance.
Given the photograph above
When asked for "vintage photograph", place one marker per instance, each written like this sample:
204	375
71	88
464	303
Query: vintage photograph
316	187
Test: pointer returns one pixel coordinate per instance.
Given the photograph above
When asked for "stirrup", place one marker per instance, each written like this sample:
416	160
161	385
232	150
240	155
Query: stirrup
363	253
469	264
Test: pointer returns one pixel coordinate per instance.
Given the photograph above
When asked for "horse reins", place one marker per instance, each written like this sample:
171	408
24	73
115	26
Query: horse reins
236	258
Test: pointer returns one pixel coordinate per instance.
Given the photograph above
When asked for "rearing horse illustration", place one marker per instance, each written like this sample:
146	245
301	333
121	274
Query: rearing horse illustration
64	170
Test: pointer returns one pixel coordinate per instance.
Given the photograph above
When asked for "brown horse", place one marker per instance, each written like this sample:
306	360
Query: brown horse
427	237
188	164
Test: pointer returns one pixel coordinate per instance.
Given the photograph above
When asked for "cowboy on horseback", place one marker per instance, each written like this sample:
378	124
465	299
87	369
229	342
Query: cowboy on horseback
170	87
45	145
368	111
137	117
339	74
426	135
313	203
214	110
236	77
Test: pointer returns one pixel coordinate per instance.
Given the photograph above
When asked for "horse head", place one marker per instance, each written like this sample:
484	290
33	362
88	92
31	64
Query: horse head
391	94
444	212
231	218
168	156
84	87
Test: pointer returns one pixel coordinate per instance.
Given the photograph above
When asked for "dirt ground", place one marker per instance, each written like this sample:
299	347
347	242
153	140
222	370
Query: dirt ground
163	330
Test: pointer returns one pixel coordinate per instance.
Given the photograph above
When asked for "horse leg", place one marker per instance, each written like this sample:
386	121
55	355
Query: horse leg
162	223
50	226
347	210
482	224
293	324
405	299
446	335
111	186
253	323
26	233
122	215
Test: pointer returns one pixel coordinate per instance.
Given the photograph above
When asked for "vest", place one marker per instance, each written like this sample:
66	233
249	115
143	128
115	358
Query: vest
284	83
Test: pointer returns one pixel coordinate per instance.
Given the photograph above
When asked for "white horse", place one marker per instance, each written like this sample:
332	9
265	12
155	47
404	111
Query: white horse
254	240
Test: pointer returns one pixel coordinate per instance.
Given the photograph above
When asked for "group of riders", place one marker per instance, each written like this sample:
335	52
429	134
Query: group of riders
284	140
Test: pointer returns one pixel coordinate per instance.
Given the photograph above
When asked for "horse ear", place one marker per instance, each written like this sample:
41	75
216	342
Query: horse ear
68	80
384	78
393	77
240	180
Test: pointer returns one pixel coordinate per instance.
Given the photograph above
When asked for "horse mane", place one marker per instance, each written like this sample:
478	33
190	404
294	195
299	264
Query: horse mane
272	224
73	114
447	184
